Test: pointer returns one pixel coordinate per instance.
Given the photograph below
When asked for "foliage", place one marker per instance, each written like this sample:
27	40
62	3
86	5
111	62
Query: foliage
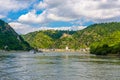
47	38
95	33
102	38
110	44
10	40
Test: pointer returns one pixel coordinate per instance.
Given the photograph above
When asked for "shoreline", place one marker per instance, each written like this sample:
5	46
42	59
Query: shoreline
49	50
81	51
64	50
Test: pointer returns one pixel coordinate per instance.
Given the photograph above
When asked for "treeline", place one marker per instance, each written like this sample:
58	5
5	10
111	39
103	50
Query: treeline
48	38
101	38
107	45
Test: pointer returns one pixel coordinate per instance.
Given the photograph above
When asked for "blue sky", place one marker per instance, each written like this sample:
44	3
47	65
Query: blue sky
31	15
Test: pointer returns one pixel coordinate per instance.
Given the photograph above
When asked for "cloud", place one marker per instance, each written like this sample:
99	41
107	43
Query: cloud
77	12
2	16
57	18
32	17
41	5
70	10
74	28
22	28
15	5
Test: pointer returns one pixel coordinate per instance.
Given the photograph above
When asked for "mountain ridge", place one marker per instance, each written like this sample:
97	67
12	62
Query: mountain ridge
10	40
79	39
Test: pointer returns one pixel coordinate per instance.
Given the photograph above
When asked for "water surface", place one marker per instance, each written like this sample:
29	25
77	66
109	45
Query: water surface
58	66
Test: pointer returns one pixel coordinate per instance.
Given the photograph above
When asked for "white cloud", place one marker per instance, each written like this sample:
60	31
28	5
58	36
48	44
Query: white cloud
74	28
25	28
14	5
2	16
75	11
57	18
32	17
41	5
67	10
77	28
22	28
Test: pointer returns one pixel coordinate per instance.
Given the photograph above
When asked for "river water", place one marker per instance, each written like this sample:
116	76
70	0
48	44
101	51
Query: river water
58	66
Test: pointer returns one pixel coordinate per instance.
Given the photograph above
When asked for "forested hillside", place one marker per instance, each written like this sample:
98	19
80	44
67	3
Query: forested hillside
10	40
103	35
46	39
107	45
95	33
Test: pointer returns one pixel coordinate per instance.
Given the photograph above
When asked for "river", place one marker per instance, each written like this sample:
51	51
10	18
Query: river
58	66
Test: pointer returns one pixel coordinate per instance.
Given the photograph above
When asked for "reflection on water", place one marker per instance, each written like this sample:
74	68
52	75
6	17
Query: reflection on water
58	66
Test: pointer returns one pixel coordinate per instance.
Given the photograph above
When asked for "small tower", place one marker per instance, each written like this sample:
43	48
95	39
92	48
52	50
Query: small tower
67	48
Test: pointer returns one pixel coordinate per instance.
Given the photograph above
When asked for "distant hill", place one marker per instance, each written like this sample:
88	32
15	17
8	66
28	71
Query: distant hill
10	40
107	45
45	39
90	36
95	33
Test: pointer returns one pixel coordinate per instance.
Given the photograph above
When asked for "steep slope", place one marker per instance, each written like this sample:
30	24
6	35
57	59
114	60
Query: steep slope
95	33
65	40
56	34
73	39
107	45
46	39
39	40
10	40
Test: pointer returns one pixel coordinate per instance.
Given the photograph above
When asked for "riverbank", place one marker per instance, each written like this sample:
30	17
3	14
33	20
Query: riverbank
12	51
52	50
86	50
